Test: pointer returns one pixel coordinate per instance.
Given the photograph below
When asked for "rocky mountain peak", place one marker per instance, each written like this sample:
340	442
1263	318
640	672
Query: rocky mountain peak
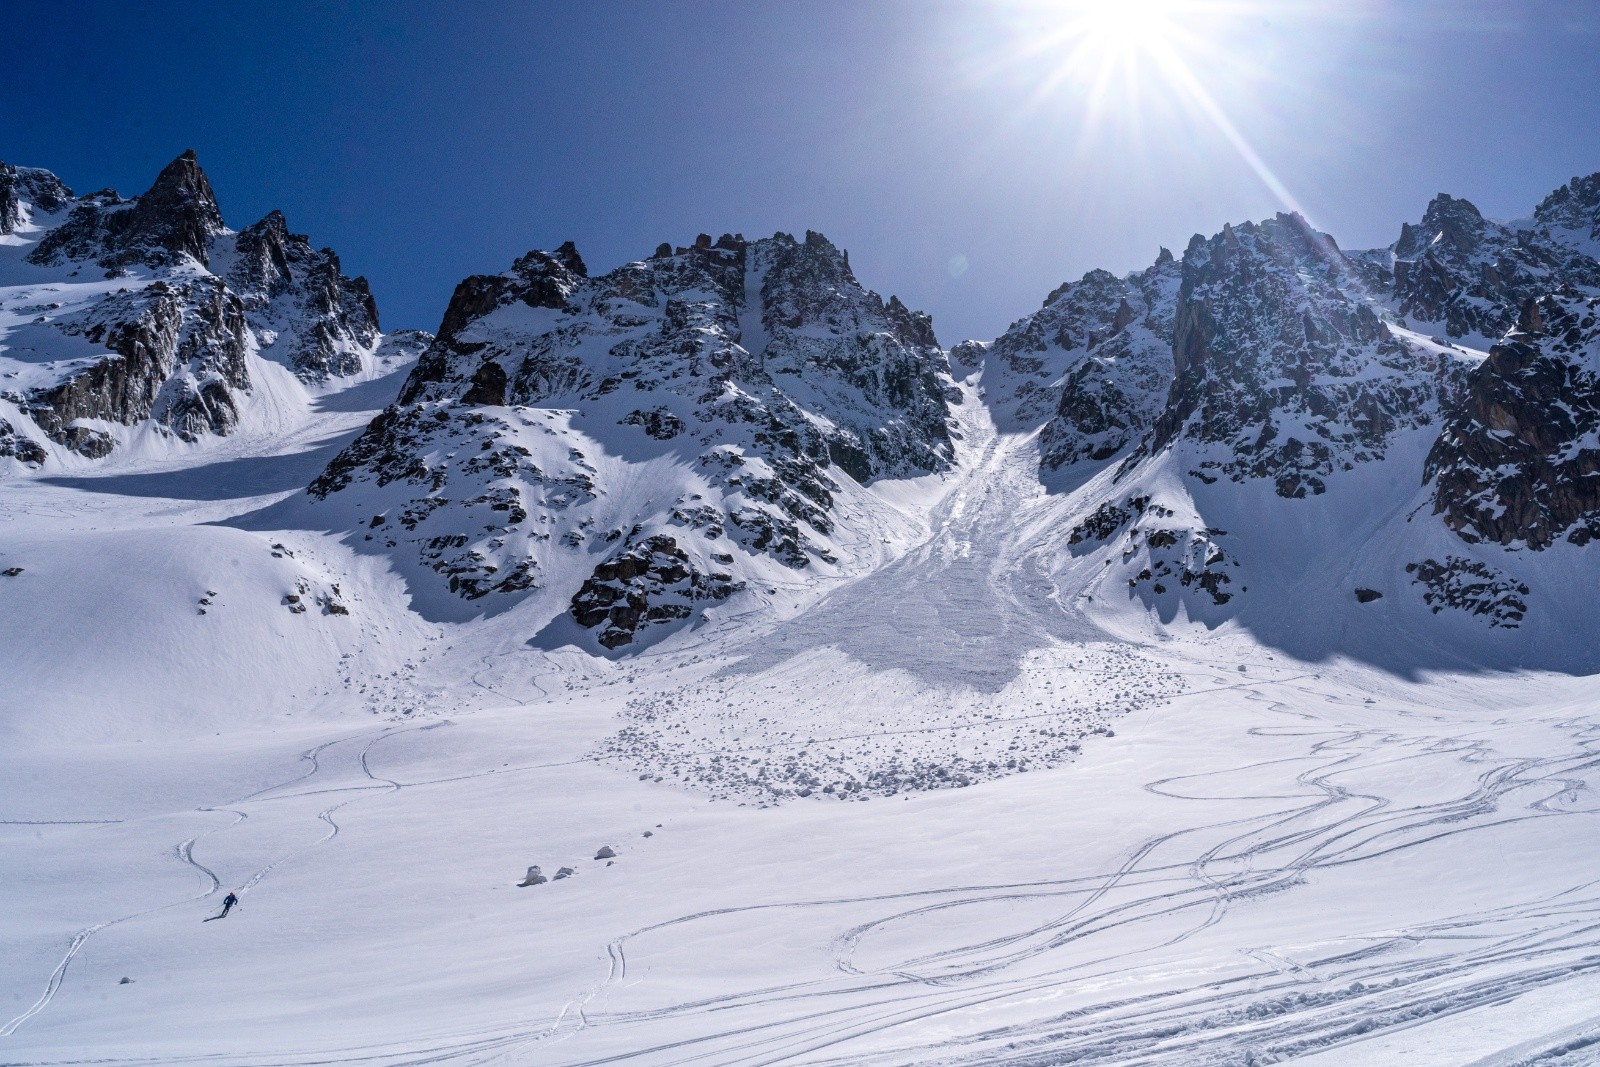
1575	206
1092	364
263	254
1279	356
760	369
176	216
178	211
20	186
170	344
307	314
1455	224
1472	275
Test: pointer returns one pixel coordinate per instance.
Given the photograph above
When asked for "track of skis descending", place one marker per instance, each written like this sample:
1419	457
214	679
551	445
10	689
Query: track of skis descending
1265	861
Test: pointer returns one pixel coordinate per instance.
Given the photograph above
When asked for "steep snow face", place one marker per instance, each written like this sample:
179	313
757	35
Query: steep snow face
1283	367
120	315
1518	462
1468	275
1092	366
692	419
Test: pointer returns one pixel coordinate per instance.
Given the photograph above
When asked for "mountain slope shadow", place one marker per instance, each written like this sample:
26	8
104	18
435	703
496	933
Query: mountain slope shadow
229	479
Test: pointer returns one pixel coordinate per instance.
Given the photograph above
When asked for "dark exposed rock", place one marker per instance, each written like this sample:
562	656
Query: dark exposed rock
1108	520
1471	586
176	216
650	582
488	385
1188	558
1518	460
1270	331
307	314
1470	275
677	346
182	356
1573	209
1367	596
179	336
20	186
20	447
1093	364
658	423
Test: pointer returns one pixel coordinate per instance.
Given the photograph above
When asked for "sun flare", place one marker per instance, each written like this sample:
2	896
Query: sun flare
1125	63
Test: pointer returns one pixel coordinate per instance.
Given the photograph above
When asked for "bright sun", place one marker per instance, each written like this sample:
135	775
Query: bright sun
1123	26
1119	61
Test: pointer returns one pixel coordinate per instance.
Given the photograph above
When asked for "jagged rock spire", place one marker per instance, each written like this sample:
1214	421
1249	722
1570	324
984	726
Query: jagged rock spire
178	212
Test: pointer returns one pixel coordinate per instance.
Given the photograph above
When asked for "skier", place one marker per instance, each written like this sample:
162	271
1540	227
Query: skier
227	905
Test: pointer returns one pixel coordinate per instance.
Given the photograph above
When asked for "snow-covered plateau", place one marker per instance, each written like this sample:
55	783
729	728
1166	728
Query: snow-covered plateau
697	663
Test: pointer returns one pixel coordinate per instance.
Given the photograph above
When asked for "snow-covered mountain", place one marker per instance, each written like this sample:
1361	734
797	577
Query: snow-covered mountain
148	319
1312	445
1177	637
1093	365
652	440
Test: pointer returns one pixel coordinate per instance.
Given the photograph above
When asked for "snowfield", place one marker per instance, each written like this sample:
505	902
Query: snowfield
965	808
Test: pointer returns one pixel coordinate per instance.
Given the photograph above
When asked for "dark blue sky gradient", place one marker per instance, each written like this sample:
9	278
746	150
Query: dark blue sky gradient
426	142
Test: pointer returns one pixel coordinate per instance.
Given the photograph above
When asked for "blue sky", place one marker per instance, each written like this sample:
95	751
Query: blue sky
958	158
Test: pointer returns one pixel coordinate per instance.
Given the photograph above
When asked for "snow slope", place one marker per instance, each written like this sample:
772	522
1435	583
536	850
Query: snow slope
1104	762
1270	857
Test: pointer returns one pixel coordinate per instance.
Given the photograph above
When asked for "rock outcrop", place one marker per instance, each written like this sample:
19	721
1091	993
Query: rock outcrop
177	216
179	361
1092	366
1518	462
149	310
306	314
26	188
1468	276
1281	364
752	375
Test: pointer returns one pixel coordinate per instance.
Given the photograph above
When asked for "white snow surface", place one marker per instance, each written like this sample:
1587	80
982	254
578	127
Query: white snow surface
1299	830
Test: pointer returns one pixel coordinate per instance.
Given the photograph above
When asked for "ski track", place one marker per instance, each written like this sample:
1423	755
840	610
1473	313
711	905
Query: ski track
970	578
184	852
1541	941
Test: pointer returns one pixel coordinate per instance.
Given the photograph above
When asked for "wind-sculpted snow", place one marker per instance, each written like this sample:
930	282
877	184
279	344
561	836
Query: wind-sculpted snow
721	396
120	315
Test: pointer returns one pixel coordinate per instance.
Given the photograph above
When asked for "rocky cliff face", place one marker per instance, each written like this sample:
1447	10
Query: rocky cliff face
1518	462
25	188
1571	215
179	361
120	312
747	376
305	312
1091	367
1281	362
178	216
1467	276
